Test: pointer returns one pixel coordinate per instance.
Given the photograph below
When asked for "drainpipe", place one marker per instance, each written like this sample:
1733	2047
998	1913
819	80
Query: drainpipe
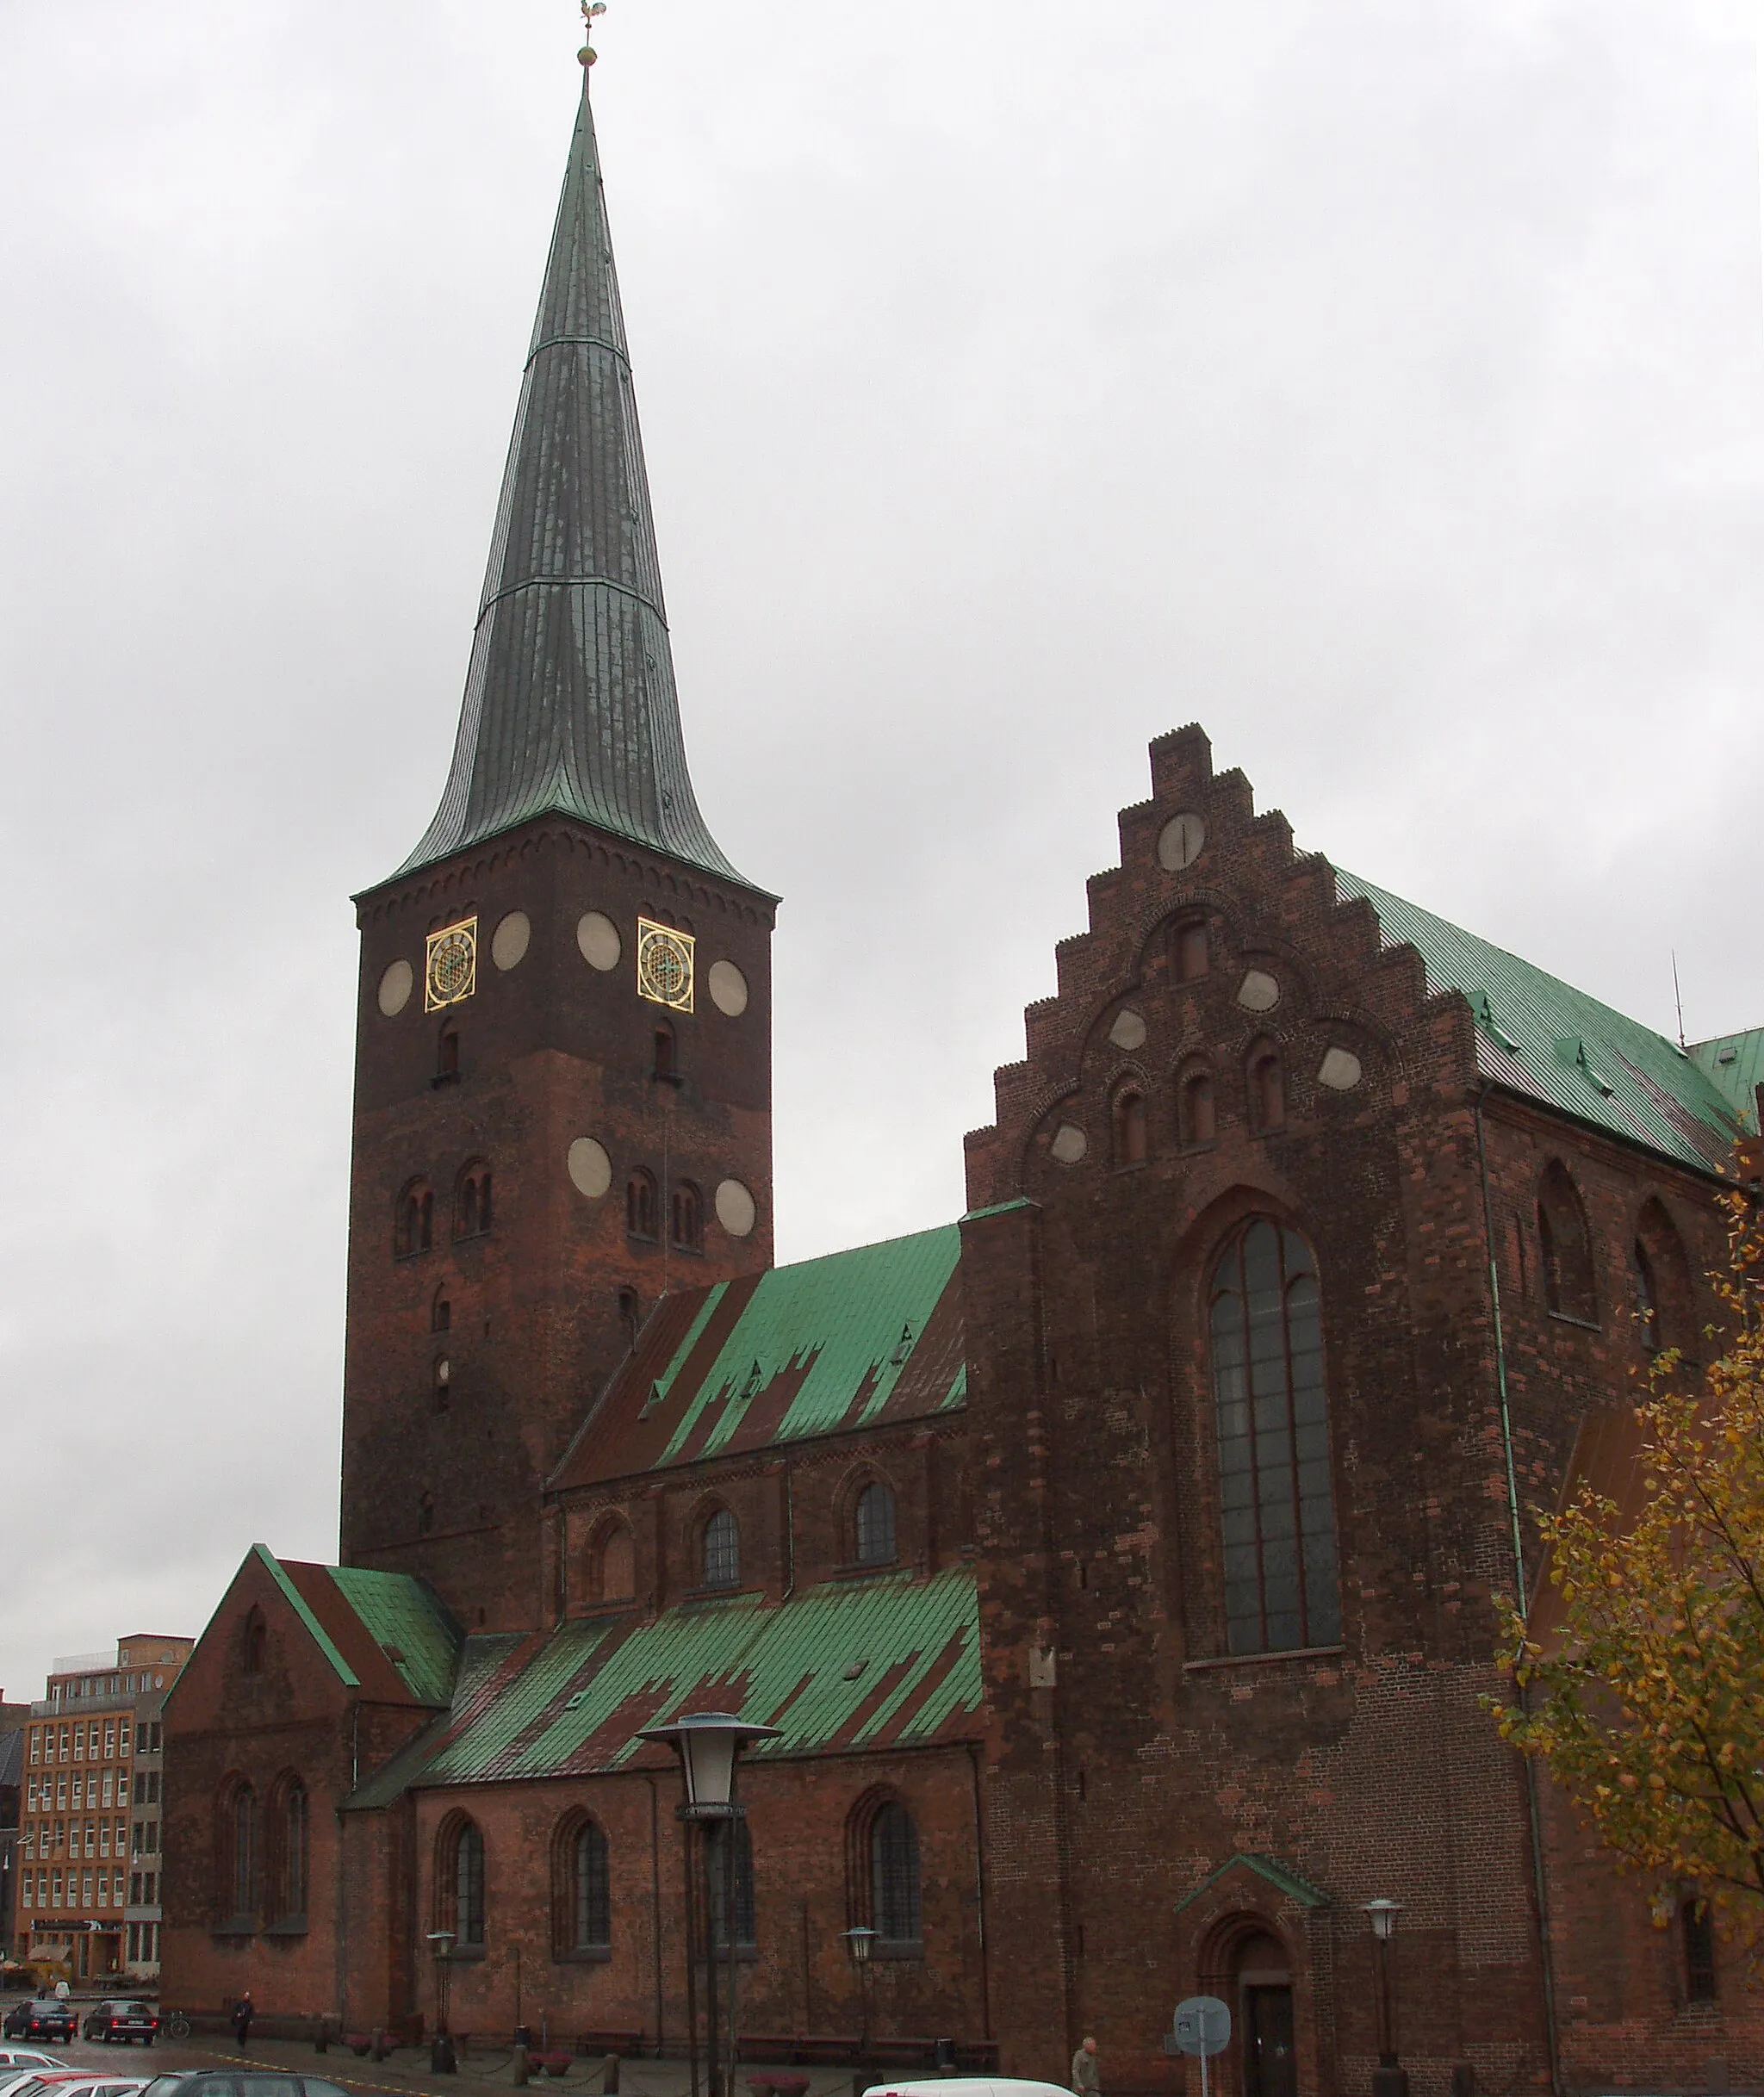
789	1535
980	1891
1534	1809
656	1908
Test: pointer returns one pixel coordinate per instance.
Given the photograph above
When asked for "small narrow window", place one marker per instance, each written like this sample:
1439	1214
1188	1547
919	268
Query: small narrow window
875	1526
426	1514
640	1205
472	1202
1196	1115
591	1899
722	1550
685	1218
440	1312
665	1065
441	1383
613	1565
413	1223
1267	1089
1647	1299
1190	951
1131	1147
447	1054
253	1644
1697	1925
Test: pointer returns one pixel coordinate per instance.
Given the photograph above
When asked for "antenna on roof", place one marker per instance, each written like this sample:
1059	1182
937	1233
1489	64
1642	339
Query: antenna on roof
1677	998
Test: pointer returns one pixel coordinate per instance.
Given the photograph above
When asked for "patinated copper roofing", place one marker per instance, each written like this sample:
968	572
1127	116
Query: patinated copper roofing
845	1341
887	1662
1538	1035
569	700
388	1634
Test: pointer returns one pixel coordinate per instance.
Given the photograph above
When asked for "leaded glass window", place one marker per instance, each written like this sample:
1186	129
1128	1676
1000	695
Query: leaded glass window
894	1875
592	1901
468	1886
731	1836
875	1524
722	1550
1277	1508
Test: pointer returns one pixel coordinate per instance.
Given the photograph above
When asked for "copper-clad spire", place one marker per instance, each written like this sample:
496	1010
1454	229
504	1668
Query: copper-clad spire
569	703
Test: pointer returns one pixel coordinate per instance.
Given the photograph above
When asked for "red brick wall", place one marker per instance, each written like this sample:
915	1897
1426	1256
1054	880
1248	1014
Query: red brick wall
549	1050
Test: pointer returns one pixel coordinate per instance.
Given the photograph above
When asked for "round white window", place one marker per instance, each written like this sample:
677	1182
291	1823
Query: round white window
510	941
395	987
735	1209
598	937
590	1168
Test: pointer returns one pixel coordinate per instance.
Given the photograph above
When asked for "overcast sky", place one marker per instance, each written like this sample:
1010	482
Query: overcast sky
1377	381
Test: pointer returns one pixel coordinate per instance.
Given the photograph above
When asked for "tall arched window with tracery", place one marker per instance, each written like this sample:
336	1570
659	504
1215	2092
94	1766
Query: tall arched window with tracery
459	1882
288	1820
1276	1502
1570	1287
719	1545
581	1894
894	1875
238	1852
874	1521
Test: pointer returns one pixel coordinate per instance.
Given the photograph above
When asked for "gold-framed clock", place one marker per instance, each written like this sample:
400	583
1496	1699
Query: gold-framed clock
451	964
664	965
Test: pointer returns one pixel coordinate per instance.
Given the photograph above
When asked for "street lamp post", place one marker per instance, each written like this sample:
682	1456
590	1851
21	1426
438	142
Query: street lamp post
858	1942
708	1745
1390	2079
442	2058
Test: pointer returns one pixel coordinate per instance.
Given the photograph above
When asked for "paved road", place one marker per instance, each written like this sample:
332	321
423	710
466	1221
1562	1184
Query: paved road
406	2073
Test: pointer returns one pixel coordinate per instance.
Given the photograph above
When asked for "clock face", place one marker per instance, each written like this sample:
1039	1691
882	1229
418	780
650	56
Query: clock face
664	965
451	964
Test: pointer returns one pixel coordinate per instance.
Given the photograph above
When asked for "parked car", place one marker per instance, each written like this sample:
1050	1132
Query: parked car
42	2016
234	2082
123	2018
98	2086
17	2058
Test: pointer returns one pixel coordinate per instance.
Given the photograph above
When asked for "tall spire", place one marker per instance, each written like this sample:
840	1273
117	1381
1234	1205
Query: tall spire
569	703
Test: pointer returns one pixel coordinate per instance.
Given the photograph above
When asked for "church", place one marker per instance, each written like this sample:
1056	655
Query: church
1114	1561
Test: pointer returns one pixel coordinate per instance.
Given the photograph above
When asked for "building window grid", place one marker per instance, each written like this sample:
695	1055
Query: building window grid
894	1875
1276	1504
722	1550
591	1897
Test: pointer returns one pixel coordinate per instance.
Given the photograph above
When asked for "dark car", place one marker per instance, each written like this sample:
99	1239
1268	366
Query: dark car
43	2017
121	2020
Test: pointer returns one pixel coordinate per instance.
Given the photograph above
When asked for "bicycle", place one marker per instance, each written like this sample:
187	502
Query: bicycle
175	2024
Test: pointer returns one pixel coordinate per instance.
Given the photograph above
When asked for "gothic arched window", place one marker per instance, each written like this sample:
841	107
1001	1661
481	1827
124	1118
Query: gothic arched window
720	1550
1196	1114
874	1523
253	1643
1697	1925
612	1563
581	1904
1665	1303
1276	1504
894	1875
686	1217
240	1895
1566	1245
1131	1144
1267	1088
288	1829
640	1204
413	1221
472	1202
459	1882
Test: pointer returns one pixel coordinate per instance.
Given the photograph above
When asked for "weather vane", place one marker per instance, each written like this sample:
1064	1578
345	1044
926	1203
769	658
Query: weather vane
590	10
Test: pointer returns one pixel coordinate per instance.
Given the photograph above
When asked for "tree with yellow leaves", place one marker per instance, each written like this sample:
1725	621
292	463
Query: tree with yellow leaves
1645	1701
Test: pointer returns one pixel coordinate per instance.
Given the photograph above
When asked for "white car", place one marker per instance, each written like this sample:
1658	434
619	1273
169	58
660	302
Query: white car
102	2086
16	2057
960	2086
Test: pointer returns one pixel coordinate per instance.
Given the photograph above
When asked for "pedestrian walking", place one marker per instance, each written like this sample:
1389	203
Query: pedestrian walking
1086	2081
242	2019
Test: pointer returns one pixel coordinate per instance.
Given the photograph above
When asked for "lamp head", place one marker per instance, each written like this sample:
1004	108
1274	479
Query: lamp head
1383	1915
707	1743
860	1940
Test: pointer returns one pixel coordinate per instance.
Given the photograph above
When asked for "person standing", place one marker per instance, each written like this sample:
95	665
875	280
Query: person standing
242	2019
1086	2081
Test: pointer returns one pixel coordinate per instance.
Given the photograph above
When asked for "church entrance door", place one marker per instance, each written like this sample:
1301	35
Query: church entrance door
1269	2067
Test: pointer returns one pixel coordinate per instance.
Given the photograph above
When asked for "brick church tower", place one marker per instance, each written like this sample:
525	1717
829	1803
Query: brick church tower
564	1048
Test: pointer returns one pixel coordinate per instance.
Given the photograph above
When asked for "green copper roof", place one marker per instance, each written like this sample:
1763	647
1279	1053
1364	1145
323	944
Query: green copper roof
877	1663
406	1619
1281	1877
1537	1035
302	1608
569	700
1735	1064
847	1341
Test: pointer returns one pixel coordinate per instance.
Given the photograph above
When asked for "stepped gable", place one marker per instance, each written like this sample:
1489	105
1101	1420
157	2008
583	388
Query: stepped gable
1287	961
1409	999
861	1338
